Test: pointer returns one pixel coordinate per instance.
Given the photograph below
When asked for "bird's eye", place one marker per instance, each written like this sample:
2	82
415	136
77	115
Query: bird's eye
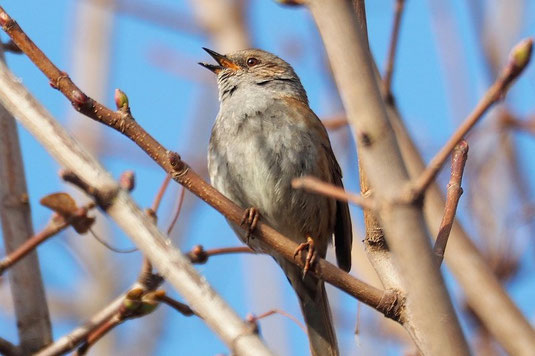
252	61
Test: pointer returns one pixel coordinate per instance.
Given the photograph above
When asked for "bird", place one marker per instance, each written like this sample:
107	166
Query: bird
264	136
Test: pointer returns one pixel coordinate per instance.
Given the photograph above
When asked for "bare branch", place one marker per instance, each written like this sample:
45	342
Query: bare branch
57	224
178	209
519	59
387	81
453	194
429	314
315	185
512	330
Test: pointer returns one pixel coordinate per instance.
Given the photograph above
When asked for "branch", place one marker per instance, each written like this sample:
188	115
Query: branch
429	315
470	268
26	284
453	194
121	207
57	224
317	186
519	59
199	255
173	266
146	281
387	81
177	211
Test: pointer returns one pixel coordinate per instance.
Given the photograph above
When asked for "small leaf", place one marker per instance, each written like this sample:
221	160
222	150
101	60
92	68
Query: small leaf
61	203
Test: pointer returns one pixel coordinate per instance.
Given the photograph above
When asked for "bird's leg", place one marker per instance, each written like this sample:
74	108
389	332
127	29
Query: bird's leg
249	218
311	253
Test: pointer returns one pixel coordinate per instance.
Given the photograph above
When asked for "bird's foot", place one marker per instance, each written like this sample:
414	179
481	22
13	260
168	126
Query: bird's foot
311	253
250	219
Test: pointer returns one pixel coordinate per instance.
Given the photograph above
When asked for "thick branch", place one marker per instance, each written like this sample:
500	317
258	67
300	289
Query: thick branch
430	317
31	310
453	194
512	330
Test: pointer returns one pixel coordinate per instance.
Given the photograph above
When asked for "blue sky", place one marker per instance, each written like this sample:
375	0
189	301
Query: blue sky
440	74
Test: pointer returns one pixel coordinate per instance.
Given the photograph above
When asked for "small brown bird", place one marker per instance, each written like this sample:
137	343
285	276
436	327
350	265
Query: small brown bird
264	136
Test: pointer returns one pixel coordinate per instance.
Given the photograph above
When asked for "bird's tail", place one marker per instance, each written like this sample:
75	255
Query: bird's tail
316	312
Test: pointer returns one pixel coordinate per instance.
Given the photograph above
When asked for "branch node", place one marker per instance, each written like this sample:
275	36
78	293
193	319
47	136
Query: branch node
6	22
79	99
391	304
55	84
180	168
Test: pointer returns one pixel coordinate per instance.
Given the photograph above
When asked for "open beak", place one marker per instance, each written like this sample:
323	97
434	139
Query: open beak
222	61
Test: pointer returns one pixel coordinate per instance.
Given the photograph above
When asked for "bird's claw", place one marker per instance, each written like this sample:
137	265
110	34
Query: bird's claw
311	253
249	218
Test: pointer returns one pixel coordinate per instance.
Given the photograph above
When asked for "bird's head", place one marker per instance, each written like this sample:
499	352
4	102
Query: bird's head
252	67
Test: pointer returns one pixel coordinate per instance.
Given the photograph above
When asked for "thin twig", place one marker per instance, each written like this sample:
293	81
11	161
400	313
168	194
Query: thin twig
182	308
8	349
97	333
54	226
315	185
453	194
199	255
335	123
159	195
122	103
105	316
387	81
110	247
178	210
431	319
519	59
255	318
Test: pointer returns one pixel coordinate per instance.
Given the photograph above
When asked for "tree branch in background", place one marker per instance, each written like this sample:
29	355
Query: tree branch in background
519	59
66	215
26	284
387	302
137	303
470	268
389	71
453	194
146	282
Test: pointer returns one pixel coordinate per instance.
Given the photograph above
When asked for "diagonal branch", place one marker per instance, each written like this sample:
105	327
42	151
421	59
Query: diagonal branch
430	317
389	71
31	310
453	194
57	224
519	59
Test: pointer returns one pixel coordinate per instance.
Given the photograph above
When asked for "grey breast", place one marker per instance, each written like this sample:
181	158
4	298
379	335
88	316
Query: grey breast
254	154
